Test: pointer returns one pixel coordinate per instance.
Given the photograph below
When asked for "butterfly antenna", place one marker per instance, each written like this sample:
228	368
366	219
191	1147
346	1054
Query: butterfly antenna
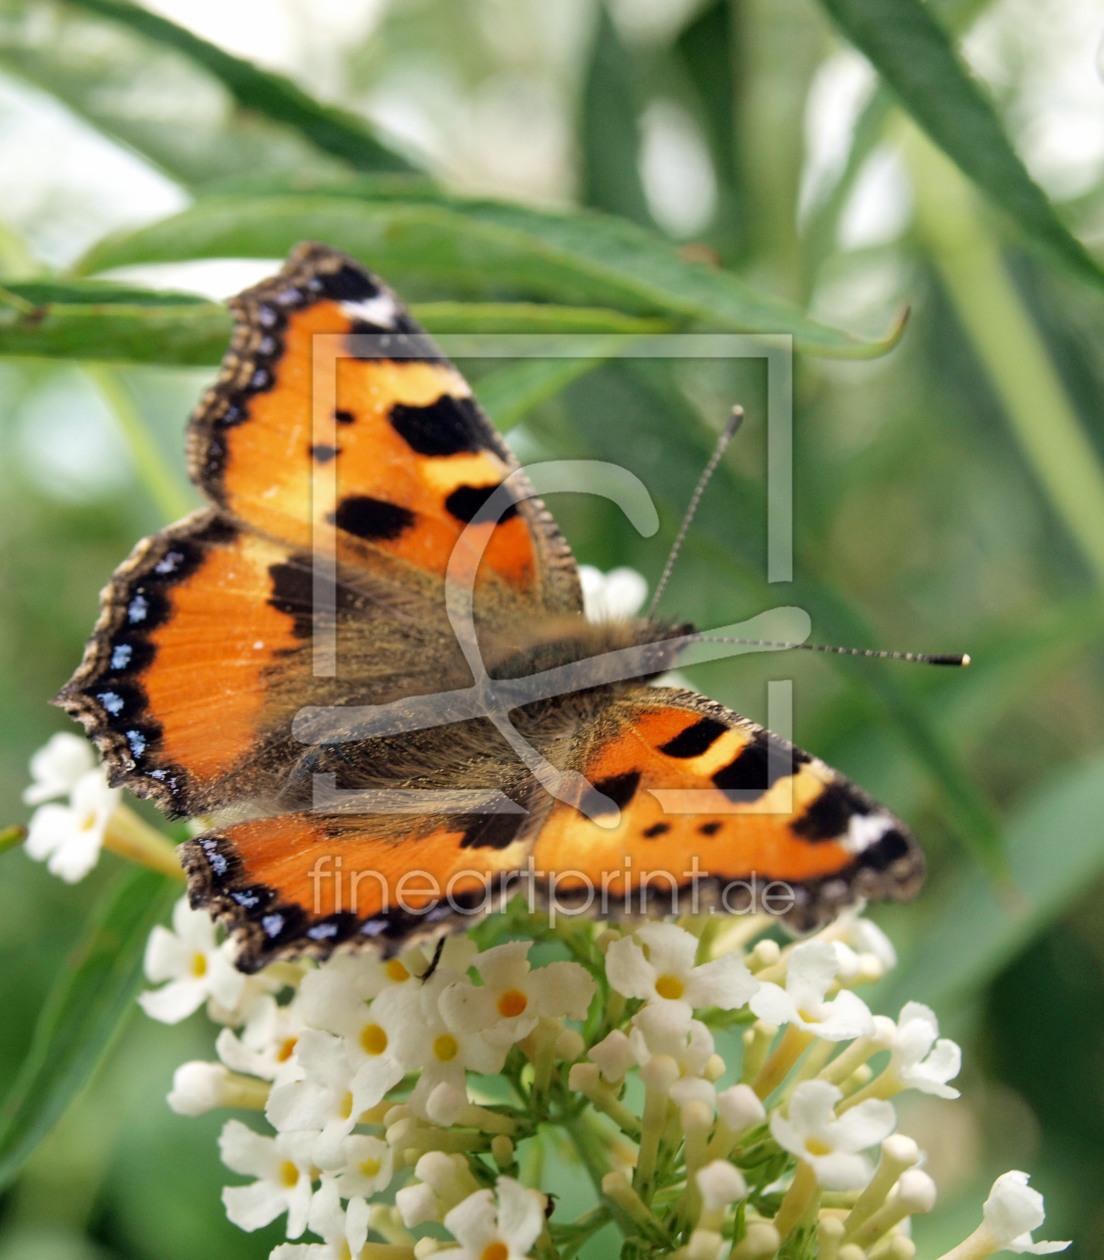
922	658
735	420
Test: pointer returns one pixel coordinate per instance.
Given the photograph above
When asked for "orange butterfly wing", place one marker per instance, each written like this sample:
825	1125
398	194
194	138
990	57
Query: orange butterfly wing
336	416
714	803
203	650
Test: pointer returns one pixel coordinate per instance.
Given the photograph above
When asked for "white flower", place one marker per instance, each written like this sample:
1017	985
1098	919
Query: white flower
343	983
863	937
656	963
323	1106
613	596
366	1167
613	1055
919	1060
663	1030
829	1143
514	1225
810	973
266	1045
281	1167
57	766
68	837
720	1184
739	1108
344	1229
196	968
1011	1212
513	997
443	1182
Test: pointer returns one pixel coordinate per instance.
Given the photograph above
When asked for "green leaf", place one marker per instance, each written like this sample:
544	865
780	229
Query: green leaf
708	52
97	321
125	327
914	54
1055	847
89	1002
272	95
194	136
484	250
609	131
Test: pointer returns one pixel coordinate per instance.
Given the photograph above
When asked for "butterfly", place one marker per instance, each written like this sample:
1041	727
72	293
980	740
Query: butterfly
318	582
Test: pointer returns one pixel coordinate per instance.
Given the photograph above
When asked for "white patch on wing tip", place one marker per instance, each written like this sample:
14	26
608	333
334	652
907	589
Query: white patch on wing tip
863	830
380	310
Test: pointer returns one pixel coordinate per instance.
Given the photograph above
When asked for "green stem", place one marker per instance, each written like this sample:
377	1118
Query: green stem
1036	404
583	1137
163	485
17	303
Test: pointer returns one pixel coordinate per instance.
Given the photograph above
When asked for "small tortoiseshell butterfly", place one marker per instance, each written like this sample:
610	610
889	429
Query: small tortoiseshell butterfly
204	653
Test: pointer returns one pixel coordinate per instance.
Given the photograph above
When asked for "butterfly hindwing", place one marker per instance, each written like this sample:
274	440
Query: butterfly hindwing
708	798
309	883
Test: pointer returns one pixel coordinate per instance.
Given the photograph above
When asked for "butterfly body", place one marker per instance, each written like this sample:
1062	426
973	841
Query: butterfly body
245	657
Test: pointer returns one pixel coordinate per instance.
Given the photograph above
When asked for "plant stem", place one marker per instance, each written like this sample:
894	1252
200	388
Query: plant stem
1006	341
163	485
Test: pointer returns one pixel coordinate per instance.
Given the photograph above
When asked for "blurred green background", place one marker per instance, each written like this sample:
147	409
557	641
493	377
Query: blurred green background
764	176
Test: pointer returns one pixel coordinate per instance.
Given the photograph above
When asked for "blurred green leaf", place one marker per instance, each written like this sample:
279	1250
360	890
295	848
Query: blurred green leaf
510	392
481	250
914	54
184	333
82	1014
100	322
272	95
1055	849
708	50
171	111
609	133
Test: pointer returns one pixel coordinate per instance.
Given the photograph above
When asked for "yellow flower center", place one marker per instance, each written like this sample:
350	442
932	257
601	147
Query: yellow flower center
370	1167
347	1105
670	987
817	1146
373	1039
446	1048
396	972
289	1174
512	1003
199	965
495	1251
286	1050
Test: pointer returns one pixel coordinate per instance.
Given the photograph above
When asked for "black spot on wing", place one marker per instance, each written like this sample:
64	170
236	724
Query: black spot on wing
322	453
695	740
827	817
465	501
891	846
619	788
293	595
656	830
758	766
492	831
404	340
344	417
346	284
371	519
448	426
710	828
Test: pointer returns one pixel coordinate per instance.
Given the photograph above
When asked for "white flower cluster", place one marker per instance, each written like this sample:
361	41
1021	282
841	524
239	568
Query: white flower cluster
68	837
397	1100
